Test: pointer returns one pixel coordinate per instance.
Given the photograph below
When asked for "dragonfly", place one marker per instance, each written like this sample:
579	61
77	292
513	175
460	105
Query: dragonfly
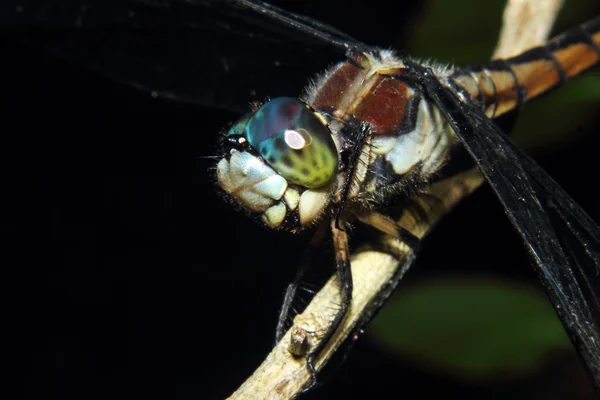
462	103
376	124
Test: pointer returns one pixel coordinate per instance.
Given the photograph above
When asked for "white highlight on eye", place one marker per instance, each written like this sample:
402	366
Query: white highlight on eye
296	139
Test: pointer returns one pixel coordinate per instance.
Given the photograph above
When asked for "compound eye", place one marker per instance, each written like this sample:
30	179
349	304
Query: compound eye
294	141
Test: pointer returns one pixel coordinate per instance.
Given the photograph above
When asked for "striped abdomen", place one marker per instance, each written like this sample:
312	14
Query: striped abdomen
503	85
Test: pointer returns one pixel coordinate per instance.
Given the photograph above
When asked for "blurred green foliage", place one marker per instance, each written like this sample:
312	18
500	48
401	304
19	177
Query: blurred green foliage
470	328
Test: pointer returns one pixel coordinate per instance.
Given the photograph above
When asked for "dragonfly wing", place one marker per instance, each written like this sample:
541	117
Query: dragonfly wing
324	33
561	239
211	53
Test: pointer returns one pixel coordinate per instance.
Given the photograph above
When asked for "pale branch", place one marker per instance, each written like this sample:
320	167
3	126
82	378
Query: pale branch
282	376
526	23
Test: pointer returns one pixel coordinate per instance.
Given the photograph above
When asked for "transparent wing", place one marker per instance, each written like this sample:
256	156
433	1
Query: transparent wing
220	54
561	238
324	33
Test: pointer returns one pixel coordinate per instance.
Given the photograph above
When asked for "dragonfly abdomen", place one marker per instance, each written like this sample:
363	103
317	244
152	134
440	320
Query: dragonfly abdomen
503	85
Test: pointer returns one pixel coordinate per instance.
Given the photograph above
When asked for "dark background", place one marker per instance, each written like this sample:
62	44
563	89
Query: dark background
127	276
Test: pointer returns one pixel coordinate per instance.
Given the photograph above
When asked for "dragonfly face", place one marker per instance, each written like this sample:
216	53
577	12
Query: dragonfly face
280	161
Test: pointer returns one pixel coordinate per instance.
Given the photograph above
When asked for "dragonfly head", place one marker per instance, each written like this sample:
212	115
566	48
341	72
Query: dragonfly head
280	161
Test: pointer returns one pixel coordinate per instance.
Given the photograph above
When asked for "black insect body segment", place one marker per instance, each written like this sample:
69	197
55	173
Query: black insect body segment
504	85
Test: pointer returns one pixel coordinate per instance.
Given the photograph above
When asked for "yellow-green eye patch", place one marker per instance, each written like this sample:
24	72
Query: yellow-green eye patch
294	141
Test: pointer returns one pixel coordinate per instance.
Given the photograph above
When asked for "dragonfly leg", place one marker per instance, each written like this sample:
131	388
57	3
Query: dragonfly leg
292	289
364	133
387	225
342	261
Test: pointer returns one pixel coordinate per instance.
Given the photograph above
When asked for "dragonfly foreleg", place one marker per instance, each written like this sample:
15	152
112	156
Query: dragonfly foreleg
387	225
292	289
342	262
354	158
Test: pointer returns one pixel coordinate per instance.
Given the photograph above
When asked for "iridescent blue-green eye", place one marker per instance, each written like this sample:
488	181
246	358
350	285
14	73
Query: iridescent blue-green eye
294	141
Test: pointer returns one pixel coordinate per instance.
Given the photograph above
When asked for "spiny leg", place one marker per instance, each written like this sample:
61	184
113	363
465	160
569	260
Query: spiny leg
387	225
353	161
342	261
292	289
